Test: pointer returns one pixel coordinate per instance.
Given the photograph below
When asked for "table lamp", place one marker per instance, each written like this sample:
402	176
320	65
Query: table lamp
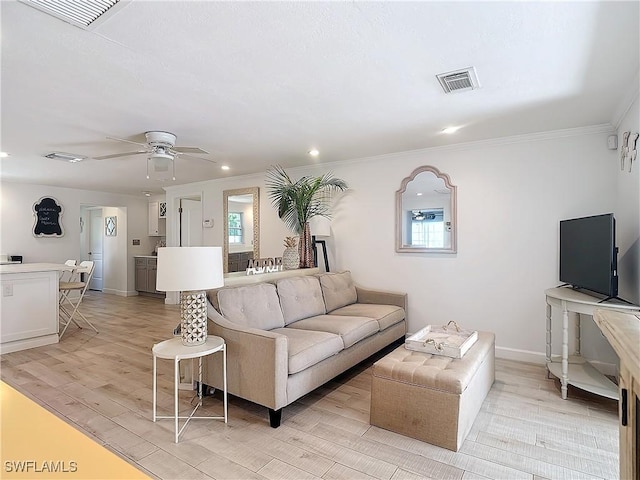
190	270
320	226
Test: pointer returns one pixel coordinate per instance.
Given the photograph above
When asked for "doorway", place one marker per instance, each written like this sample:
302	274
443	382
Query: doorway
108	252
96	252
190	222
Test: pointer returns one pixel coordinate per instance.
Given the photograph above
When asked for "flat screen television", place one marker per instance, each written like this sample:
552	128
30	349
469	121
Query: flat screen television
588	254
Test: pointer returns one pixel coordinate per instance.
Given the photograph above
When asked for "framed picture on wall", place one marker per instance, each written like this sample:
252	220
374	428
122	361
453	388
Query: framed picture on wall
111	226
48	218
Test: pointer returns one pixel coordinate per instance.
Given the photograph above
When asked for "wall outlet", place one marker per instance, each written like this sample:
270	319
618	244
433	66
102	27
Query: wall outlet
7	290
136	241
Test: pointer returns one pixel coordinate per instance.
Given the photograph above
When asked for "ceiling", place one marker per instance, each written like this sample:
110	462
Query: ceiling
260	83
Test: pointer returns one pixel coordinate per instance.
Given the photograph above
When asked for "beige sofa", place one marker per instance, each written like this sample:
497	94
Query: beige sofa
285	339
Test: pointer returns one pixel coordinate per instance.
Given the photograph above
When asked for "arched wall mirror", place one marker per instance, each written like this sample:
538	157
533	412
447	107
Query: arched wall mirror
241	228
426	212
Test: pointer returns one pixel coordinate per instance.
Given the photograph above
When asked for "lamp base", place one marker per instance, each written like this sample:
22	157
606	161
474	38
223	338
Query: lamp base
193	315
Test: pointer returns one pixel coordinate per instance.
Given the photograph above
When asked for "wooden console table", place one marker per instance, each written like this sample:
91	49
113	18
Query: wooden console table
623	332
575	370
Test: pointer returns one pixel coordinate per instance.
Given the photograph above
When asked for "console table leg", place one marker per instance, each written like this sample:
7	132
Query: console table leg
565	350
548	333
577	334
549	313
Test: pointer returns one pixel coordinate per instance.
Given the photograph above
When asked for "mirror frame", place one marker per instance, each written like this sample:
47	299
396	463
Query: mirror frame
454	230
255	191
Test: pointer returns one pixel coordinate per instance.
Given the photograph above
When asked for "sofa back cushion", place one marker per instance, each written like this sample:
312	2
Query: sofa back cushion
254	306
338	290
300	297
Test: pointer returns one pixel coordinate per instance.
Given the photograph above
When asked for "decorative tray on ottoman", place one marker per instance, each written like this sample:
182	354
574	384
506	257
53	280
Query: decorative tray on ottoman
448	340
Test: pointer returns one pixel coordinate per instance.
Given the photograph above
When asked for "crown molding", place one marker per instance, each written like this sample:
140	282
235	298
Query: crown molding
605	128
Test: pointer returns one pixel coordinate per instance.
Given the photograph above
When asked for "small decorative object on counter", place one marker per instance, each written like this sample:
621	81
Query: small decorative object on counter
291	255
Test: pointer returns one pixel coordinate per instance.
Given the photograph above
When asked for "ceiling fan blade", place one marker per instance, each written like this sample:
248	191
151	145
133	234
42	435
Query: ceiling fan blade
126	141
190	150
116	155
192	156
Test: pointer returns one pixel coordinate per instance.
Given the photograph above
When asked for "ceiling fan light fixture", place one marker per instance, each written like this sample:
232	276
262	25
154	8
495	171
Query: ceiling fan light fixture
158	163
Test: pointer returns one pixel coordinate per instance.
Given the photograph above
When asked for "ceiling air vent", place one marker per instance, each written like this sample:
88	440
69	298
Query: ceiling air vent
459	80
79	13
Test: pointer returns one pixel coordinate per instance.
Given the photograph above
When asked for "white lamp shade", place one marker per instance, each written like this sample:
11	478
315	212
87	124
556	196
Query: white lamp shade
182	269
320	226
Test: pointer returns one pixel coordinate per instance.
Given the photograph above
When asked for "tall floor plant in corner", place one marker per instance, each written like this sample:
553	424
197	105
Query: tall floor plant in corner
297	202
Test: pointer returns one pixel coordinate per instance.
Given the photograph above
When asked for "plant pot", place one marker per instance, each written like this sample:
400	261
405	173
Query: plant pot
290	258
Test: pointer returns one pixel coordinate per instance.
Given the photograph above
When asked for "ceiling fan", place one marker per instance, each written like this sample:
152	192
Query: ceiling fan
160	150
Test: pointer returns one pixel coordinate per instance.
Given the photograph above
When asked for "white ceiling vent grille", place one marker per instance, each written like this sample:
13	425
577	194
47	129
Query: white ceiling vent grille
81	13
459	80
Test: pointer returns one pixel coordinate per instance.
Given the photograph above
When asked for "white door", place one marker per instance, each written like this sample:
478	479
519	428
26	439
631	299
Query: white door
190	223
95	248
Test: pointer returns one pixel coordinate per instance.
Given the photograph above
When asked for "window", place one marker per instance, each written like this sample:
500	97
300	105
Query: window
235	228
427	228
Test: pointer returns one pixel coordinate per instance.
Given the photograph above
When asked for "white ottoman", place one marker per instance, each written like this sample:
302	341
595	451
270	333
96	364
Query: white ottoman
431	397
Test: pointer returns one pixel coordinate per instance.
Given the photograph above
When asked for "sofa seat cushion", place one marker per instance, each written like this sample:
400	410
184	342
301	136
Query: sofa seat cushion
338	290
350	329
300	297
255	306
306	347
385	315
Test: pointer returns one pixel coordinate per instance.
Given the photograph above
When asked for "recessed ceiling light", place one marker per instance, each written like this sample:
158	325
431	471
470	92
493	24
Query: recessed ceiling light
4	154
419	194
314	152
451	129
146	194
225	167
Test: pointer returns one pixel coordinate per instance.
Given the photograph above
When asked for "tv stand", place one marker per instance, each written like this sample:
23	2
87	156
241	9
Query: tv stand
575	370
615	298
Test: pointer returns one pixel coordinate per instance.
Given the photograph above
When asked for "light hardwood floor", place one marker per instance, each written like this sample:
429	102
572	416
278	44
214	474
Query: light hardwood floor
101	384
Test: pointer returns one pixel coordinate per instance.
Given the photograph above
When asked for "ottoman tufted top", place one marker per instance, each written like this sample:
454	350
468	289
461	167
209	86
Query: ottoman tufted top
436	372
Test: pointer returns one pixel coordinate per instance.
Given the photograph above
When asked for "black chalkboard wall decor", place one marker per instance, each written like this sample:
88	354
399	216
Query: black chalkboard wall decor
48	218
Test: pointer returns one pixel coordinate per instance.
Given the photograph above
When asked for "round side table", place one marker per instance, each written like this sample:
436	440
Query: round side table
173	349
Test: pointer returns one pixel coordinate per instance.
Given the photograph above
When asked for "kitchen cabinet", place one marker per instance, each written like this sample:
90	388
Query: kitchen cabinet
146	274
157	223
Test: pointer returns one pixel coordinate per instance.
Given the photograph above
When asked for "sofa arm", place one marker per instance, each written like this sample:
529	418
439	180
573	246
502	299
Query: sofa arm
382	298
257	362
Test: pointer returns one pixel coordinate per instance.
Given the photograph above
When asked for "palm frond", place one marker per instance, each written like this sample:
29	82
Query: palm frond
296	202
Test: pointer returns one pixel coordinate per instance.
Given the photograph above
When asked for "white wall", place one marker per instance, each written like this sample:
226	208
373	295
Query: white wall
512	193
16	229
627	213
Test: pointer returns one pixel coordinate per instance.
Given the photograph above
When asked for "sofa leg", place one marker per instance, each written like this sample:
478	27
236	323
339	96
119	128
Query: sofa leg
275	416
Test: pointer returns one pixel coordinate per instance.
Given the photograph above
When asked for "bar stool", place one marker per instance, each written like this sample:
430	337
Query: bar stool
69	305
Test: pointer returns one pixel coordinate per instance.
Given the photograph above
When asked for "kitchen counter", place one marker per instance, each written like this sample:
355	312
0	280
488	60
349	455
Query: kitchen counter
29	306
33	267
145	256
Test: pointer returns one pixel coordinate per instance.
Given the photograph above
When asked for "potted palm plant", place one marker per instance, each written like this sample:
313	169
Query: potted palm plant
297	202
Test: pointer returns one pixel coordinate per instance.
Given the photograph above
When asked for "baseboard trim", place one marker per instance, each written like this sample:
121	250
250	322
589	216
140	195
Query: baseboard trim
540	358
119	293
